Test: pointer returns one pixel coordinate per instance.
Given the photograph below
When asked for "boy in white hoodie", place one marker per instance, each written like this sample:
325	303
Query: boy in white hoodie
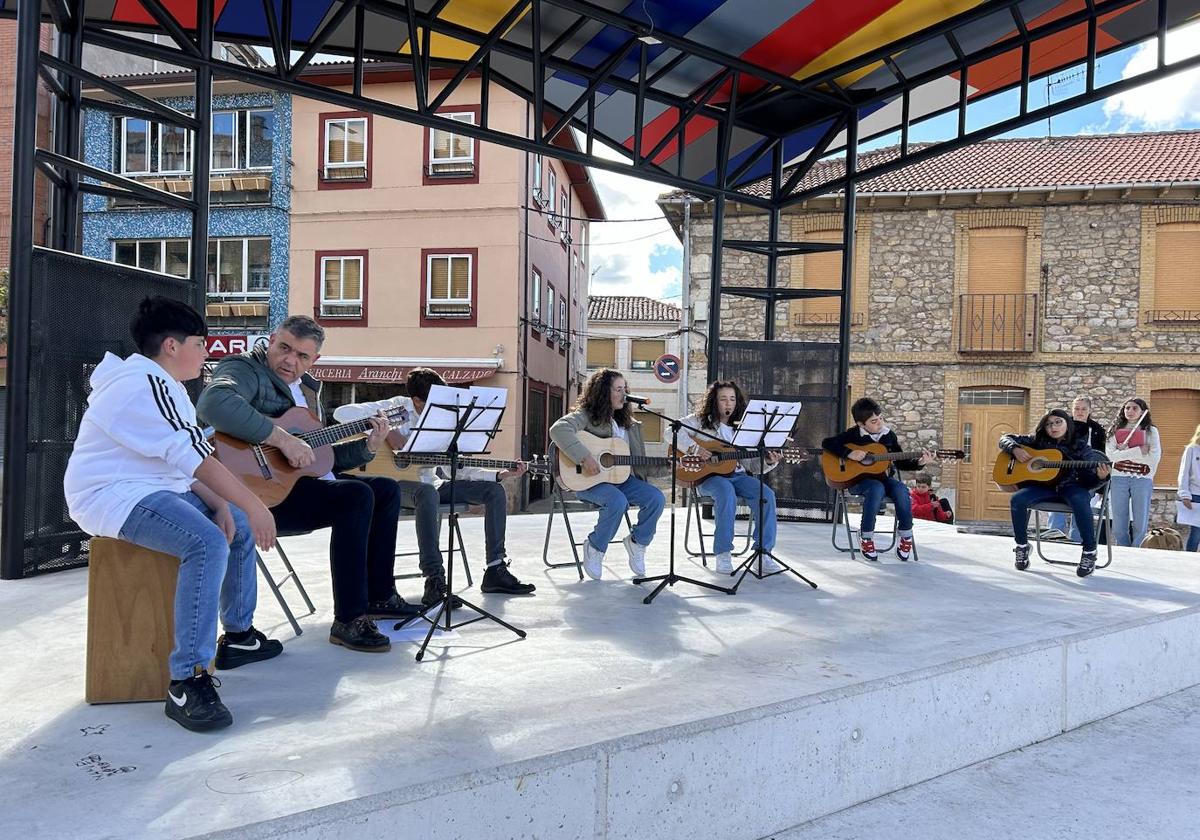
142	471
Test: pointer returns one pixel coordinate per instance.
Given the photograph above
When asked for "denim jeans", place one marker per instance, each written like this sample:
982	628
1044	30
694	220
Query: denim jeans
424	499
213	574
725	491
1193	537
614	500
1126	492
872	492
364	512
1059	521
1077	497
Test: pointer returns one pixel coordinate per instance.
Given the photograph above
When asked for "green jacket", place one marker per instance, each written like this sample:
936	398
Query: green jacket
244	392
565	434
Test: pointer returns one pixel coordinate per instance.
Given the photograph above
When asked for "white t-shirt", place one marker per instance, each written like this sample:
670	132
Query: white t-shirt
619	431
298	397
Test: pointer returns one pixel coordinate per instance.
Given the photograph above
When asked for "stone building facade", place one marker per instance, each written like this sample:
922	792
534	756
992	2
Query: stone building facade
1085	316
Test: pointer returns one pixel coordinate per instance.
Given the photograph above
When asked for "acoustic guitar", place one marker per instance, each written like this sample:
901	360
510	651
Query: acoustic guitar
615	461
841	473
405	462
1045	465
265	470
720	458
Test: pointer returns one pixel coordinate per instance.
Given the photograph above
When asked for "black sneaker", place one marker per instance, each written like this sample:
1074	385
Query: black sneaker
236	649
193	703
499	579
393	607
1087	564
435	591
359	634
1021	553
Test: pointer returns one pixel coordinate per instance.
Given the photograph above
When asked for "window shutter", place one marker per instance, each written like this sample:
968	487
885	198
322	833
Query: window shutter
336	153
460	278
996	261
1176	414
356	142
647	351
352	279
333	280
601	352
1177	266
822	271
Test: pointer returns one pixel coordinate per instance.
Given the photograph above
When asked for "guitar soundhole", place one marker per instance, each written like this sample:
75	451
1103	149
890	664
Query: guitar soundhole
868	460
606	460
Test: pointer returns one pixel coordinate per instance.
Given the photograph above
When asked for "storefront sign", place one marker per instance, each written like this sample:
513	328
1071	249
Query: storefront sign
228	345
397	374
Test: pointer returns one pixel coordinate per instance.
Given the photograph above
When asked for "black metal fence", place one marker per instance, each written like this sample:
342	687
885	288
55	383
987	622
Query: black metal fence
997	323
806	371
81	308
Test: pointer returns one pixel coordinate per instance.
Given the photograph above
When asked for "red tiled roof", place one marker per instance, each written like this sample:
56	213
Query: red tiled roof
1166	157
631	308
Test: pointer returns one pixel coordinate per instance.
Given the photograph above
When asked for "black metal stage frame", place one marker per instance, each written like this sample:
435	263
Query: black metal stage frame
825	103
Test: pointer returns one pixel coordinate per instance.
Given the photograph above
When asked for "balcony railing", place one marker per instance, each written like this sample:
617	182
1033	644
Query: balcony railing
997	323
826	319
1172	316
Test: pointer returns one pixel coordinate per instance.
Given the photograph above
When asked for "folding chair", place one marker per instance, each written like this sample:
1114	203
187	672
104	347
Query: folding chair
291	575
841	518
1102	522
560	505
695	504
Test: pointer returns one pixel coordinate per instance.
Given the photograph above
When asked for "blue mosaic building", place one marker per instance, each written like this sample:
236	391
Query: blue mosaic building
247	275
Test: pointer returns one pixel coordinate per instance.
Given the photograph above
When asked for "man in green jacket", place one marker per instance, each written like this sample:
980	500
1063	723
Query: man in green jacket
363	511
603	412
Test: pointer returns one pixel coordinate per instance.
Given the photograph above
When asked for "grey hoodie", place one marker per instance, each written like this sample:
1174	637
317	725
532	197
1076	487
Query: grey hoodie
138	436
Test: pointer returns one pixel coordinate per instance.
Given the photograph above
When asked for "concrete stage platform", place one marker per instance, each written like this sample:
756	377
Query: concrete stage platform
700	716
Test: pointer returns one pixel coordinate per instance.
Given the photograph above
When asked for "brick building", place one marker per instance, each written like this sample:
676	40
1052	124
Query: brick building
995	282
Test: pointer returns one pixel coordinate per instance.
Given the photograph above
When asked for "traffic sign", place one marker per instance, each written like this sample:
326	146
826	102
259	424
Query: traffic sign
668	368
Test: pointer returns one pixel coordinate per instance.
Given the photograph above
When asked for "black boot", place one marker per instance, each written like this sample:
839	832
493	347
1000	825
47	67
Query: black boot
1087	564
393	607
359	634
499	579
435	591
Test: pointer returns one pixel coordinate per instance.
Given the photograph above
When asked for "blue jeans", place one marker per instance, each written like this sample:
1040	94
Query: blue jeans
1126	492
725	491
614	500
212	572
1077	497
1059	521
872	492
1193	538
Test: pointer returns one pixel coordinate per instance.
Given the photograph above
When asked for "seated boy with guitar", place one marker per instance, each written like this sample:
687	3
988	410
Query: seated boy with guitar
722	406
869	428
247	391
473	485
141	471
1082	468
602	412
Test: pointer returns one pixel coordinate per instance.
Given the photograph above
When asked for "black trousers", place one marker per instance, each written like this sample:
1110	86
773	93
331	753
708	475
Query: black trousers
363	512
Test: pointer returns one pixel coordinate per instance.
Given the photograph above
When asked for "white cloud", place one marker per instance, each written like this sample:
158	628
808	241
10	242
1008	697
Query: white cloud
1170	103
621	252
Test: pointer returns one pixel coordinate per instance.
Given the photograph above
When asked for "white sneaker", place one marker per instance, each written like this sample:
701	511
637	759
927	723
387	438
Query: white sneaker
637	556
768	565
1053	534
593	561
724	563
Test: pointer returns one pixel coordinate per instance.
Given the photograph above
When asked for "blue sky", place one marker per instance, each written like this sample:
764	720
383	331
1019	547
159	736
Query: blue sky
645	257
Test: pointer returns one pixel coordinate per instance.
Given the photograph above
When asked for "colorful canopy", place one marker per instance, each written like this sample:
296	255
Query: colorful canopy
832	49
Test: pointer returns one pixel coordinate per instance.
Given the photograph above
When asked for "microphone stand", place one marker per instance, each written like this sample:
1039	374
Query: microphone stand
670	578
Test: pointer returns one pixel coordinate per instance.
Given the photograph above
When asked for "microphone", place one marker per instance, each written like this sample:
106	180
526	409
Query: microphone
630	398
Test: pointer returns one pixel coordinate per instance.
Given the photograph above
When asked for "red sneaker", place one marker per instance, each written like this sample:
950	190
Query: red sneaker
904	549
868	549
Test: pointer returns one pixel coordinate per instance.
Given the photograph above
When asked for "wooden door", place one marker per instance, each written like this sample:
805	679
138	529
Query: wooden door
982	426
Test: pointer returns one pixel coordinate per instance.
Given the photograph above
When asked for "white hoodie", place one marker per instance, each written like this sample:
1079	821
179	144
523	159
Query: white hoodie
138	436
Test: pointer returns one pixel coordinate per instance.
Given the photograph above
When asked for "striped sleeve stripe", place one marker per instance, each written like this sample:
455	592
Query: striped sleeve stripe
170	412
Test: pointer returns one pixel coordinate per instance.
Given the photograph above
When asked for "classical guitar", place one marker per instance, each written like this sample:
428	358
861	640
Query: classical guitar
1010	474
539	467
844	472
615	462
264	469
720	458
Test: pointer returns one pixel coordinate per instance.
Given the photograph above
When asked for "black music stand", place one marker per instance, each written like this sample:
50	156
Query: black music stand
670	578
773	418
483	423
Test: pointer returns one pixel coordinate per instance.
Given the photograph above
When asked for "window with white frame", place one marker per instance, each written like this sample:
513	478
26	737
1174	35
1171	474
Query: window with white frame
550	310
168	256
345	148
538	195
341	287
448	286
535	308
562	321
452	154
239	269
564	217
241	140
551	191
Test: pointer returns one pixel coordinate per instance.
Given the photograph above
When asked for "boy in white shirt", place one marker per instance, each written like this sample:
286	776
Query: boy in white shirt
142	471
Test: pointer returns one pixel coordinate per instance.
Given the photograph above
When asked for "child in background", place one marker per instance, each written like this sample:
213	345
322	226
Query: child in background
926	504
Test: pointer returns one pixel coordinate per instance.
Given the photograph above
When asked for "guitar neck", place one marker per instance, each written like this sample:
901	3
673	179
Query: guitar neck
1076	465
898	456
404	460
332	434
639	461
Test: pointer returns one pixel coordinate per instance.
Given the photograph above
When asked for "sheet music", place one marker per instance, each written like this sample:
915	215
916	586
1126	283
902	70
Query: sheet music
781	416
481	407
